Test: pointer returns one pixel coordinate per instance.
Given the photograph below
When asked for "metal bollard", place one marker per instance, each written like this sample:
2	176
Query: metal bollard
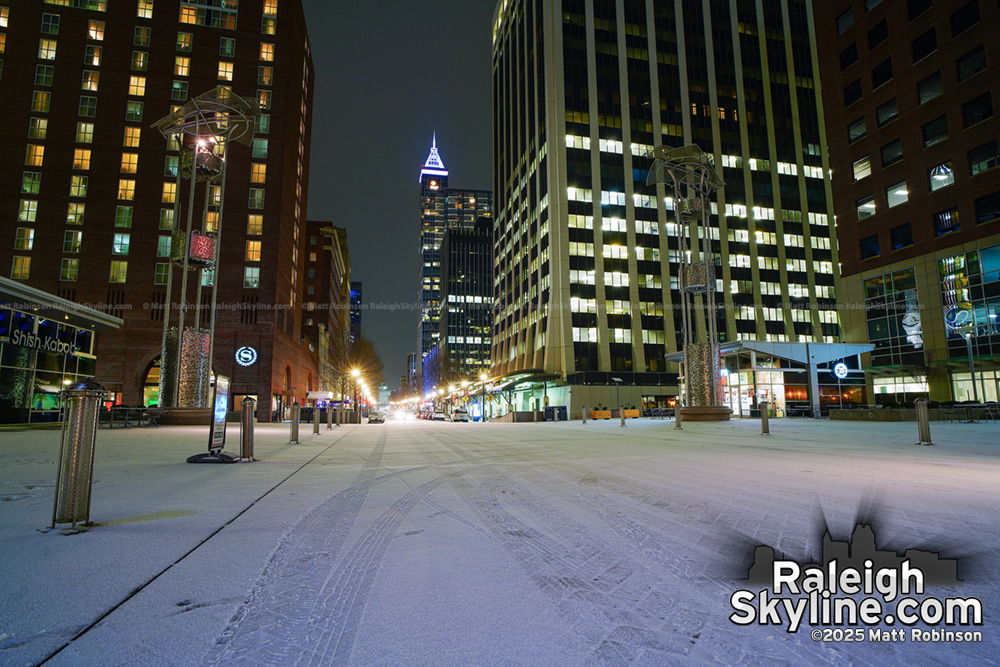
294	436
329	417
923	422
248	407
583	413
76	453
677	417
315	420
621	415
765	428
534	414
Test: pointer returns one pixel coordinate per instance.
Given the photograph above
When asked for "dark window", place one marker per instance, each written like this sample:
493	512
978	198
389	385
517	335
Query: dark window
915	8
965	18
878	34
977	110
845	21
856	130
924	45
871	4
929	88
882	73
988	208
849	56
901	236
984	158
892	153
852	93
971	63
869	247
935	131
887	112
946	222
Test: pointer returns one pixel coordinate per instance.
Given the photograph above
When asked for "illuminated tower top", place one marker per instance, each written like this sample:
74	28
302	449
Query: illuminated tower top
433	167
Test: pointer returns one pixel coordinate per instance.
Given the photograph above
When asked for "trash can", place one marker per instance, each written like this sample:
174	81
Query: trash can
76	453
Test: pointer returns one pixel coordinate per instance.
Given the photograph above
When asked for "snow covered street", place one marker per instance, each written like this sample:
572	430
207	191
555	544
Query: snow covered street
423	543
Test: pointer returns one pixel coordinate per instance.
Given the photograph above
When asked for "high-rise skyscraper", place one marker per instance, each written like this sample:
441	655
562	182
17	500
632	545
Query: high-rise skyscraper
441	208
910	91
92	200
588	254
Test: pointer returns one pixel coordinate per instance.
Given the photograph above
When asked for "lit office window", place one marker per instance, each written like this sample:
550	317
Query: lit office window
169	193
31	182
92	55
24	238
133	111
69	268
266	52
251	277
225	71
253	251
265	76
179	91
940	176
166	218
258	172
95	30
20	268
78	186
81	158
130	163
185	41
84	133
132	137
75	212
137	85
120	244
182	65
123	216
34	155
259	148
264	99
161	273
140	61
47	49
90	80
255	224
126	189
145	9
72	241
27	210
119	271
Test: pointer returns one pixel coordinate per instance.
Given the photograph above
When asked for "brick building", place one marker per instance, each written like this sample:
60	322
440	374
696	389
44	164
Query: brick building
909	92
89	193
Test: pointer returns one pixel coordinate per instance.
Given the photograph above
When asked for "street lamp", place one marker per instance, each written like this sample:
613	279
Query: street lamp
355	373
482	402
618	399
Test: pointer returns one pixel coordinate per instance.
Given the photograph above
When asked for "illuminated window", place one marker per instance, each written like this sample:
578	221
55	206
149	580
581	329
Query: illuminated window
44	74
251	277
20	268
50	24
268	25
34	155
225	71
137	85
38	127
264	99
255	224
170	165
119	271
126	189
169	193
27	210
92	55
78	186
140	61
256	198
88	106
133	111
84	133
182	65
185	41
163	244
123	216
262	123
69	268
211	221
90	80
258	172
24	238
40	101
145	9
188	15
95	30
81	158
179	91
4	12
227	47
130	163
253	251
132	137
47	49
72	241
166	218
260	148
266	52
31	182
3	42
119	246
74	213
271	7
141	36
265	75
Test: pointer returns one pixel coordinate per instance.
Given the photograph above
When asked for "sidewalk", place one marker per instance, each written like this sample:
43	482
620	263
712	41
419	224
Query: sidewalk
462	544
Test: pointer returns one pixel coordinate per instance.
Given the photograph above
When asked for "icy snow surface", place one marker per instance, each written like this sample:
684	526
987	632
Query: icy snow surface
426	543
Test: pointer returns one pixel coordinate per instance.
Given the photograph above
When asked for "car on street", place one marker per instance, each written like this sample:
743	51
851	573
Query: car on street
376	418
439	417
460	416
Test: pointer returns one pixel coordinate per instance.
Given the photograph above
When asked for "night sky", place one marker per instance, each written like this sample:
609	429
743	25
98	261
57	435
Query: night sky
388	75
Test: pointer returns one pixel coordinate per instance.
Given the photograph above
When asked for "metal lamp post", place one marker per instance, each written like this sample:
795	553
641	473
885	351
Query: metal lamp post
618	399
355	374
482	401
972	365
689	171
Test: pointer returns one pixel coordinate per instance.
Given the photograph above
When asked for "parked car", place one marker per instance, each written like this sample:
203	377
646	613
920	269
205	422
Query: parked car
376	418
460	416
439	417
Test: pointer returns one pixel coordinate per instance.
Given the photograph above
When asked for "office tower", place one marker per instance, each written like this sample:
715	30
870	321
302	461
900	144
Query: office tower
910	104
356	308
466	312
96	196
441	208
587	254
326	305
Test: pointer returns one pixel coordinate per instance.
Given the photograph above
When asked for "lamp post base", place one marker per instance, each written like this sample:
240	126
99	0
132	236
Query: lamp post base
708	413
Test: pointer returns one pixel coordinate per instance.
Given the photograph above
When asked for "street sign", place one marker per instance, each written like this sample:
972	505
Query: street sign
840	370
489	398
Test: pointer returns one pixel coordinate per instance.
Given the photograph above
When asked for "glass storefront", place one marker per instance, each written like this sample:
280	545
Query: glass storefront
39	357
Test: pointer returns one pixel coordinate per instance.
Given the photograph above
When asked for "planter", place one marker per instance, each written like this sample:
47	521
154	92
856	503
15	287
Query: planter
630	414
600	414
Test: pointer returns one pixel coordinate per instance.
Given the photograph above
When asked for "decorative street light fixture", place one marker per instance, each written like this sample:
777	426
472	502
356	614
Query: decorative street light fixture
355	374
689	171
482	402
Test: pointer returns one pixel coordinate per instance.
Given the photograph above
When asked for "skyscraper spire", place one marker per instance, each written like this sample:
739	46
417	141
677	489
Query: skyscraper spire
433	165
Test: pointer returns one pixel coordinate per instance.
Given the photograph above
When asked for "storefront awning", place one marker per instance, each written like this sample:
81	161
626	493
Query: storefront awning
49	306
802	353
